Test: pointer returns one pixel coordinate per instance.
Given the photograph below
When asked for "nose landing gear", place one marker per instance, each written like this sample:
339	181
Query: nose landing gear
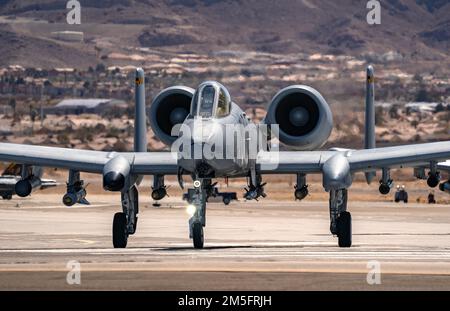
198	235
197	198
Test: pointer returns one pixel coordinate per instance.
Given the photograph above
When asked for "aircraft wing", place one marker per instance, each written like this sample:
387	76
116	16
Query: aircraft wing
151	163
291	162
399	156
86	160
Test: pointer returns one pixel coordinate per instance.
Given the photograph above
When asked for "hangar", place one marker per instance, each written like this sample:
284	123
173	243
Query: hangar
81	106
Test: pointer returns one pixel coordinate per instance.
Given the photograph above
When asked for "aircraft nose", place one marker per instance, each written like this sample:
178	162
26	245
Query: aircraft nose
205	144
206	133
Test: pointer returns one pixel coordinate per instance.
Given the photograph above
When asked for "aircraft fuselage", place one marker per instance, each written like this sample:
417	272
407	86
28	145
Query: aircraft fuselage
218	146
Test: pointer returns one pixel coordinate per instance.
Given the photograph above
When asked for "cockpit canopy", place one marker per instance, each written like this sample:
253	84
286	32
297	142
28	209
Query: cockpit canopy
211	100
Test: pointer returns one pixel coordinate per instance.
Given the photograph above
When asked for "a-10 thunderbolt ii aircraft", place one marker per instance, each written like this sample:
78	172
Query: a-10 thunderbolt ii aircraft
445	166
193	123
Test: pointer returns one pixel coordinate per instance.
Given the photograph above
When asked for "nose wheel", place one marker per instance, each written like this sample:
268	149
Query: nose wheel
197	235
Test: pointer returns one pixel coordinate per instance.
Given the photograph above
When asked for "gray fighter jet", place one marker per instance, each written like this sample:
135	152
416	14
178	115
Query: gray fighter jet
211	137
445	166
12	175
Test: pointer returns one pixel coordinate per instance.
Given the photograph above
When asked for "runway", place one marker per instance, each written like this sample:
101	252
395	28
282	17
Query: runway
268	245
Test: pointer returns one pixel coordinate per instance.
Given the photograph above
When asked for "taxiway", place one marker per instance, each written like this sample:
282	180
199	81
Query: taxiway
269	245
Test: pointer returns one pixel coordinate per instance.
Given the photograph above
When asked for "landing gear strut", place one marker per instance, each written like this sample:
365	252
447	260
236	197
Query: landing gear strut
341	220
125	223
197	197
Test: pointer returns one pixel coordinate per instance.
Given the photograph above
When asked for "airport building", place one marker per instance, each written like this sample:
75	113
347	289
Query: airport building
81	106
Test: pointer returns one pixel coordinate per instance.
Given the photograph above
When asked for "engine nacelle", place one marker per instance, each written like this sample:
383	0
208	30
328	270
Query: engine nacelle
170	108
24	187
304	117
116	173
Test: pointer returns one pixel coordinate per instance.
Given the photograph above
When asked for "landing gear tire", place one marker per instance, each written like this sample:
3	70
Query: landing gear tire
344	226
197	235
120	232
7	197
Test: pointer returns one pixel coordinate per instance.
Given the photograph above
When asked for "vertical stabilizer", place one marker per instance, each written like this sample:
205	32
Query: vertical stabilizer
369	134
140	116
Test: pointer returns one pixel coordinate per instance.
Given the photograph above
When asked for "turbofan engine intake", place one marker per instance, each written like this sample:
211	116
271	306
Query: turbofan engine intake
304	117
170	108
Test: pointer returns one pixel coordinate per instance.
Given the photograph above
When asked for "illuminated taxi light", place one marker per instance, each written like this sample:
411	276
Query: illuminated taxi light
191	209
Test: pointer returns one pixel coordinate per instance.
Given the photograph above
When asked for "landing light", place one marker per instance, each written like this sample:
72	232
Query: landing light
191	209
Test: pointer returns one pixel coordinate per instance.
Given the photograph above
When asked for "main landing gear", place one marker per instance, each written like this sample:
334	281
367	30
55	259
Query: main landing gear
125	222
197	198
340	218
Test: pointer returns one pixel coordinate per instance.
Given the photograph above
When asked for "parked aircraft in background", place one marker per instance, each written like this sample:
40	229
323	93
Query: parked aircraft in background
10	181
445	167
